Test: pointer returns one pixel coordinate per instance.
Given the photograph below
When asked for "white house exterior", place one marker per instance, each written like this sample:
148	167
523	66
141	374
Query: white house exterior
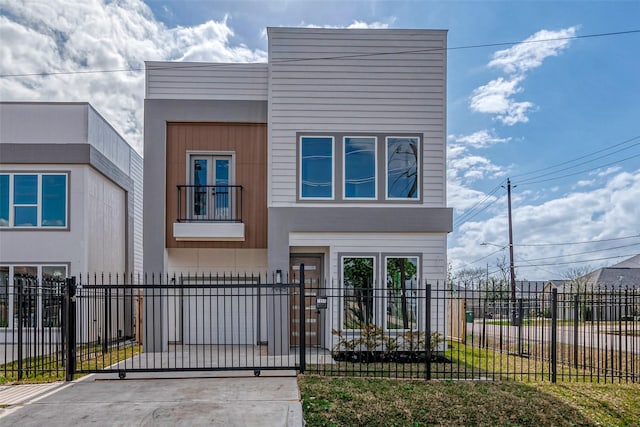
70	199
346	134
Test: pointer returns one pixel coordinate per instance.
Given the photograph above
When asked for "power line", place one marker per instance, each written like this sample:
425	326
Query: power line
580	172
576	262
583	253
582	157
360	55
479	259
579	243
467	215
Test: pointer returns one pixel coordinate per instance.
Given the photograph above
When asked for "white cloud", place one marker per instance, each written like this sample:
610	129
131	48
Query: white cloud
606	172
585	183
608	211
96	35
532	52
498	96
480	139
354	24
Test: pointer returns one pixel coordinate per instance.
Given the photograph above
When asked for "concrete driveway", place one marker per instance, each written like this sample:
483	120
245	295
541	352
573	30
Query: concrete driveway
218	399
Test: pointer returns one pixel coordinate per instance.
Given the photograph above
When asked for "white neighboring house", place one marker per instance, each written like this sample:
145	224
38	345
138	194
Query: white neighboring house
331	154
70	203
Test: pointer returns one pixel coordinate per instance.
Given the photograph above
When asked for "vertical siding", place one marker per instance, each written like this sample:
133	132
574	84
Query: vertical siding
106	217
356	81
249	142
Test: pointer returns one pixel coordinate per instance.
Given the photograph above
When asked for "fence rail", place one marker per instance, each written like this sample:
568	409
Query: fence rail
153	323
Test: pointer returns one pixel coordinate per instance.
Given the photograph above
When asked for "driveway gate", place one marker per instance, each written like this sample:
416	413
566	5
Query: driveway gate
183	323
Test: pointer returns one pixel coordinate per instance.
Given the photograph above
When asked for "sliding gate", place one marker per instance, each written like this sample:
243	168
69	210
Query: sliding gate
184	323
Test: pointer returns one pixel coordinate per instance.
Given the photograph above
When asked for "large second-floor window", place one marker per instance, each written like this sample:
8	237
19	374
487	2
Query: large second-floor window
33	200
360	168
402	168
316	167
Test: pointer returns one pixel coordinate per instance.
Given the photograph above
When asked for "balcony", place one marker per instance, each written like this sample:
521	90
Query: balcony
209	213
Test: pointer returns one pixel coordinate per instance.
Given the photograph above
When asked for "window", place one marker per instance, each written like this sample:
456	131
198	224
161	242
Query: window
33	200
402	167
358	279
360	168
393	305
316	167
211	192
402	297
4	200
30	295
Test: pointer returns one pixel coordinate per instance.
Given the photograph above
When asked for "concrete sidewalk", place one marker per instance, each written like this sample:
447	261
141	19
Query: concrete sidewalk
222	399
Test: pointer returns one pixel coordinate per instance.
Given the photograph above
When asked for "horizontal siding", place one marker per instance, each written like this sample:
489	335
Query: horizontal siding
189	80
390	81
431	246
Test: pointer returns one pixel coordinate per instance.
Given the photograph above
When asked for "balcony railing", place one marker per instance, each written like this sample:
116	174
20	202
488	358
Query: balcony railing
209	203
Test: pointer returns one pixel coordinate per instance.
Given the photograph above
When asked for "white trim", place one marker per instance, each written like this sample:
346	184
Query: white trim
375	168
333	167
209	231
386	168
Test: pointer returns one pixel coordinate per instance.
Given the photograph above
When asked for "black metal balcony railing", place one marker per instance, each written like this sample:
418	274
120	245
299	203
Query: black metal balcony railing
209	203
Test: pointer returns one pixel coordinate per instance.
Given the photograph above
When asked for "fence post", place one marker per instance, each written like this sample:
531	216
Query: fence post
576	319
18	289
428	332
70	329
520	322
554	335
107	319
303	328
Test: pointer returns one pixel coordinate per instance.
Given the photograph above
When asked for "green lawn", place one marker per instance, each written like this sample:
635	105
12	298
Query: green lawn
331	401
50	368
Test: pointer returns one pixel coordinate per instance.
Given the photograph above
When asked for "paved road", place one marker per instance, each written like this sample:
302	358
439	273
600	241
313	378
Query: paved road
588	335
273	399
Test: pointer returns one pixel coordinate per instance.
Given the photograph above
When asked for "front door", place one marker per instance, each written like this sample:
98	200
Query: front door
210	178
313	282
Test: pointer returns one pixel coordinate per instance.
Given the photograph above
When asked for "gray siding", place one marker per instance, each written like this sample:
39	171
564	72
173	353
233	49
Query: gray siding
35	135
192	80
319	80
137	176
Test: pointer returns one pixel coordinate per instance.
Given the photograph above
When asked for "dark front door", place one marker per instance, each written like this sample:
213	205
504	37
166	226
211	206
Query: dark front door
313	280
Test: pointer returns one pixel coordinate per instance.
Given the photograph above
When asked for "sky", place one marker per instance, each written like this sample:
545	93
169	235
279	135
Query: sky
543	93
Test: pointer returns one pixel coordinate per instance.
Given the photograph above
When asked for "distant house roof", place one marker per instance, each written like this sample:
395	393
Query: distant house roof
633	262
615	278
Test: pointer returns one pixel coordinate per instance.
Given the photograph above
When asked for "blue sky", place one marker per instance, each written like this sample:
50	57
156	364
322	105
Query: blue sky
512	109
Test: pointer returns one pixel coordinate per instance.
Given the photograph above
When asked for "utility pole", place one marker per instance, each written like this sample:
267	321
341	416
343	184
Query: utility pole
514	313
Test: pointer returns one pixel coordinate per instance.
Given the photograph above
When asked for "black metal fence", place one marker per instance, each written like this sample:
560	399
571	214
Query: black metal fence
209	203
31	324
158	323
440	331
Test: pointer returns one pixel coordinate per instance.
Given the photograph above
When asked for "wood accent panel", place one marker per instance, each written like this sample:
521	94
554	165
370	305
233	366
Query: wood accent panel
249	142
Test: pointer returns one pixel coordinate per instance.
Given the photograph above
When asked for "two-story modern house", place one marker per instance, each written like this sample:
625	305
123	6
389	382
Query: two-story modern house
332	154
70	204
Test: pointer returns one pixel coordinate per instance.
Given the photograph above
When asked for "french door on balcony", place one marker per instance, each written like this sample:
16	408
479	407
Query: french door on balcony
211	198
